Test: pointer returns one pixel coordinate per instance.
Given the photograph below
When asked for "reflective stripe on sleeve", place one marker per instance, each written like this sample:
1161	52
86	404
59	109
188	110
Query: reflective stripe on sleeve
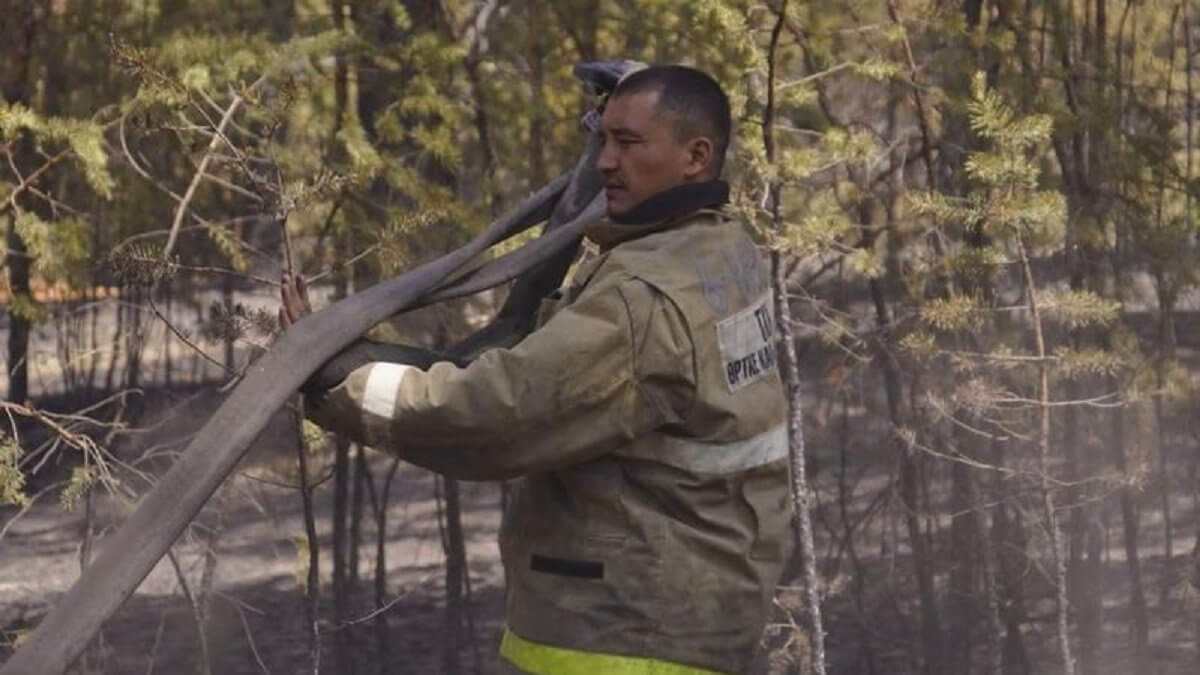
383	384
541	659
722	458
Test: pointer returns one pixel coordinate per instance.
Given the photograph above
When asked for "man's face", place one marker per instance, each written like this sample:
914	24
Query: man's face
642	155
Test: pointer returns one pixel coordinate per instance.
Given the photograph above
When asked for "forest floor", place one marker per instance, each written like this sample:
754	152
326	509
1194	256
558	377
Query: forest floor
257	623
257	613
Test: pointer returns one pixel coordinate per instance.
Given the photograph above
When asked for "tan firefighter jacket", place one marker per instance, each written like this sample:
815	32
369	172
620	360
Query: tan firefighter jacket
647	418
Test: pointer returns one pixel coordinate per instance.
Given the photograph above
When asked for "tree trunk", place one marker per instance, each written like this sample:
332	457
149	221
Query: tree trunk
790	373
538	174
962	571
1082	536
17	33
17	261
1091	619
1140	626
866	660
1166	357
168	338
994	626
135	339
227	330
931	637
1009	539
93	344
456	570
341	484
357	504
381	635
483	123
312	584
118	328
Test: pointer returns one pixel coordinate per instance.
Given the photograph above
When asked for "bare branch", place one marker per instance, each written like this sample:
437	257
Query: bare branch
181	209
380	610
11	202
189	343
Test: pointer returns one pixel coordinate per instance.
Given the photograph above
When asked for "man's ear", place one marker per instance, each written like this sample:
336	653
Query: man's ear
699	157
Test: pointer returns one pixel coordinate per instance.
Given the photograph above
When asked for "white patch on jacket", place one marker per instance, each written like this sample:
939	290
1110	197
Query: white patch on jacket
383	384
747	344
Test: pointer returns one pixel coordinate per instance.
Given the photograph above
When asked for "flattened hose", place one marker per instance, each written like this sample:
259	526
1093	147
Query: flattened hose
128	555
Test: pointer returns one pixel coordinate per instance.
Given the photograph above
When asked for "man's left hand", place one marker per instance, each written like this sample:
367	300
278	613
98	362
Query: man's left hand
295	305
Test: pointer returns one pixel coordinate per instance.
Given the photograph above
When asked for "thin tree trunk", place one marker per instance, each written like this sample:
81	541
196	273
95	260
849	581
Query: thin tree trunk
383	655
1189	112
1082	581
341	485
168	301
483	125
199	367
1009	541
909	489
959	629
203	595
62	345
456	562
312	606
227	331
1140	626
1166	357
342	655
204	667
357	504
18	32
538	174
93	346
866	650
17	262
801	497
118	329
1059	567
1085	595
994	639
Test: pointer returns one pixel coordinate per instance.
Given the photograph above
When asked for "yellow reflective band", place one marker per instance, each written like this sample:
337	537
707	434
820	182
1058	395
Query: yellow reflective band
543	659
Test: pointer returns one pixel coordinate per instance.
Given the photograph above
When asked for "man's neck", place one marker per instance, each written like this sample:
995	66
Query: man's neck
675	202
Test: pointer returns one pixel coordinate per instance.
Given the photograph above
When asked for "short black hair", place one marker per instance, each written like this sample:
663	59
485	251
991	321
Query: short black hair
695	100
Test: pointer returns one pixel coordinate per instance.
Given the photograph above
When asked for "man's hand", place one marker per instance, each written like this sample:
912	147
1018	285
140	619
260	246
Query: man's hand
295	306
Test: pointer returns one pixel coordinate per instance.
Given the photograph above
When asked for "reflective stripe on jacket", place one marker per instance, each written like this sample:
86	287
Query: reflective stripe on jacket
647	417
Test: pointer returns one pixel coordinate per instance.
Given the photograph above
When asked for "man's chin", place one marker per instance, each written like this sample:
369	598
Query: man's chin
616	210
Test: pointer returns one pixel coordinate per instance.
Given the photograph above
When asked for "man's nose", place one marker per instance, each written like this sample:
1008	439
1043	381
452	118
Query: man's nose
606	161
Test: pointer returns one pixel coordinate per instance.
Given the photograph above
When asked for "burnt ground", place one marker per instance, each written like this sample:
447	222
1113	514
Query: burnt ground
256	609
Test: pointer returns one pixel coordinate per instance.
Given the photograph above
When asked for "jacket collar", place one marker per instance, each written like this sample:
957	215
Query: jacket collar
658	212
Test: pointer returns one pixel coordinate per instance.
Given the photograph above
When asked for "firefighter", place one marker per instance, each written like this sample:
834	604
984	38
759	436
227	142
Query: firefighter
645	415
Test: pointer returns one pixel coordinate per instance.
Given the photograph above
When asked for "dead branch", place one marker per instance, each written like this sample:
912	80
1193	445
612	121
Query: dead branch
27	181
181	209
197	618
183	338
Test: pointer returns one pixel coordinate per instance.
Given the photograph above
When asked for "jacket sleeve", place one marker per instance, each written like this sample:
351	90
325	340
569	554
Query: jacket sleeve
615	364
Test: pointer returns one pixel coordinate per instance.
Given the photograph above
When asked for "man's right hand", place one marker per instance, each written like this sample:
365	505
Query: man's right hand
295	305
